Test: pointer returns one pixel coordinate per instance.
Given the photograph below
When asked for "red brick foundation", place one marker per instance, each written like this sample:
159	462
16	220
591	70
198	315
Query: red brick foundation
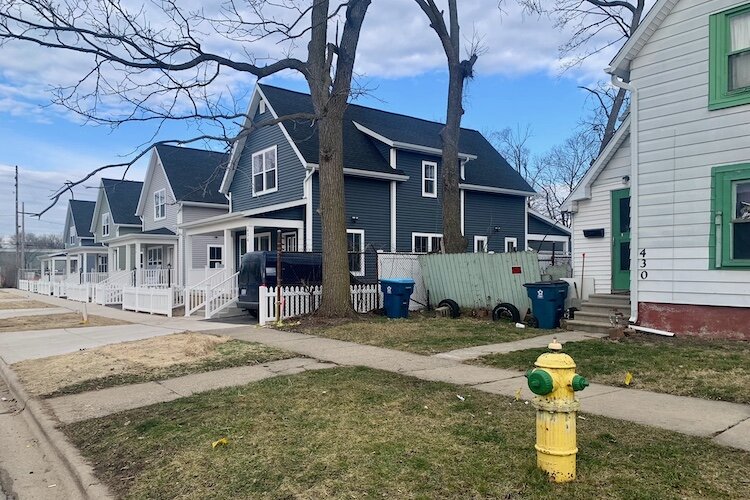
699	321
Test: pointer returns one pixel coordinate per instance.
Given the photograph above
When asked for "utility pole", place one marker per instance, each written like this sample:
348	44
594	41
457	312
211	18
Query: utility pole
18	254
23	235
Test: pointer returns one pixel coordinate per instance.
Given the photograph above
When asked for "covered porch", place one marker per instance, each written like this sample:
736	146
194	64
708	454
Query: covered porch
153	255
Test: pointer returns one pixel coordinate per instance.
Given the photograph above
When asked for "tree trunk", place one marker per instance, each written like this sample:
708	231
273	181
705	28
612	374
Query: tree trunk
453	239
614	114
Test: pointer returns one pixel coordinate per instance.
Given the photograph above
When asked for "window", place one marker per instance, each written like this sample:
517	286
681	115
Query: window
730	233
72	235
429	179
264	171
154	258
511	244
355	240
262	242
426	243
105	224
101	263
215	256
480	244
160	204
261	107
289	242
729	58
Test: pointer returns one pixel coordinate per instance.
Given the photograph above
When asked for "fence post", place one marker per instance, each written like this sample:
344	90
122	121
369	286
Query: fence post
262	305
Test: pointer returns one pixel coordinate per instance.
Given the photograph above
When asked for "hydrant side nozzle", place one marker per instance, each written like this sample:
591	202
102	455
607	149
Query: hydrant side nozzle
579	383
540	382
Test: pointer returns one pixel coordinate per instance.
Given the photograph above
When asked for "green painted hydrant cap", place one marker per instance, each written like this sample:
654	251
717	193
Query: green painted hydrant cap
579	383
540	382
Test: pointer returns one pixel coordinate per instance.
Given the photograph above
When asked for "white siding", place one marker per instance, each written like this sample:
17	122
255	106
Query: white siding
680	141
595	213
159	181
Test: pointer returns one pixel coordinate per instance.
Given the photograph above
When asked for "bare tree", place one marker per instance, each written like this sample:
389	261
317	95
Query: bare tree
512	143
596	25
459	72
157	63
560	170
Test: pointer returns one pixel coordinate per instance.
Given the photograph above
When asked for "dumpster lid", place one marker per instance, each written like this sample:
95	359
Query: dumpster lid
405	281
547	284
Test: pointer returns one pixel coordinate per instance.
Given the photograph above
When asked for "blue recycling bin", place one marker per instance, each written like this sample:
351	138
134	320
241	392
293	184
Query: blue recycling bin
396	295
547	301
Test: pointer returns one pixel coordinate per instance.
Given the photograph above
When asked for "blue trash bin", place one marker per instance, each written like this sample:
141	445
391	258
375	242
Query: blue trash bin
547	301
396	295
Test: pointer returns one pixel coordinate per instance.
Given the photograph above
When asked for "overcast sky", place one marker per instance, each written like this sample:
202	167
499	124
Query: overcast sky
518	81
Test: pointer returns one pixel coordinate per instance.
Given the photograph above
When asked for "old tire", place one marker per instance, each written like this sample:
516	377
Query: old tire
452	305
506	311
532	322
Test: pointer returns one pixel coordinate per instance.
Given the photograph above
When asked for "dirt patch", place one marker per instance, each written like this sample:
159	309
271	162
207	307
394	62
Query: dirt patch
51	321
10	295
139	361
23	304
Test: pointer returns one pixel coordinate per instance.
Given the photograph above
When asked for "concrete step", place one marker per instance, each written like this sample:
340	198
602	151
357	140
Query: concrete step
587	326
230	312
596	306
606	297
597	315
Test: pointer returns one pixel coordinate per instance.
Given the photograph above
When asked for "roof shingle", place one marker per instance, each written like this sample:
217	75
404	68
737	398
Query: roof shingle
194	174
122	197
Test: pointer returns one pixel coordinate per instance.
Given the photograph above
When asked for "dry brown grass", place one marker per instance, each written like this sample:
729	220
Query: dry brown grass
9	295
138	361
23	304
51	321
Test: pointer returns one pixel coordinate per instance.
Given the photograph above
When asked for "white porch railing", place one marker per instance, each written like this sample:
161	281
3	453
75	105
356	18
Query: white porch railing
196	295
59	289
24	285
44	287
152	300
222	295
78	292
93	277
34	286
156	278
298	300
109	291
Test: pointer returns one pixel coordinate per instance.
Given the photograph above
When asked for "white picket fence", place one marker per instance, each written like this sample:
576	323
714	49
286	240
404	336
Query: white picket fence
44	287
24	285
152	300
59	289
79	293
298	300
109	291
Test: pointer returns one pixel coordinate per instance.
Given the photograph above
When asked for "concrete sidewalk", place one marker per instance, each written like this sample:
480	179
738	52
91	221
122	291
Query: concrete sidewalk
518	345
94	404
40	311
726	423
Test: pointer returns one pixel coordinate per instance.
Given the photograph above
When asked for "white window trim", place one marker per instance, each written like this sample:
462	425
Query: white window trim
155	250
429	236
508	240
164	192
208	256
361	232
261	106
259	236
107	217
276	171
427	194
102	263
482	239
296	238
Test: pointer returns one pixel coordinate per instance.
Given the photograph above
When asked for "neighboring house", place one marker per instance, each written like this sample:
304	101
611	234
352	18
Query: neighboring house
393	186
82	254
669	197
546	236
114	219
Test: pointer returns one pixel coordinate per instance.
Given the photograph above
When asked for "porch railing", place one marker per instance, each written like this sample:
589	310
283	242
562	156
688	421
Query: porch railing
152	300
78	292
196	295
222	295
156	278
93	278
44	287
109	291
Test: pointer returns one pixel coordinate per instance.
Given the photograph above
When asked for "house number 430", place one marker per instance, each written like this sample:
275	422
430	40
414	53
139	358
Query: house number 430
642	265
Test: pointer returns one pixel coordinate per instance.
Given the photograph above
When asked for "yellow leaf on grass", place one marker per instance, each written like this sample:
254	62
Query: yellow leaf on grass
628	378
518	394
221	442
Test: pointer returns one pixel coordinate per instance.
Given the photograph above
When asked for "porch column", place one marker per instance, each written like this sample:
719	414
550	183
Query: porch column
138	263
128	258
228	251
67	265
250	238
111	267
175	265
188	257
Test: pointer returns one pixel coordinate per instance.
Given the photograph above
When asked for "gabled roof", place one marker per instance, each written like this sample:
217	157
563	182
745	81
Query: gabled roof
82	213
583	189
159	231
194	174
122	197
486	168
549	222
620	65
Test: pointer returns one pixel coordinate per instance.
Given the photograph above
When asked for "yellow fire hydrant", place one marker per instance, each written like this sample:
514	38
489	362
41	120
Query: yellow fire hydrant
555	381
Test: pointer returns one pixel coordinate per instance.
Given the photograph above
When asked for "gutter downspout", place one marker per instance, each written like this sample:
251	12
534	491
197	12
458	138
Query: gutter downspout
617	82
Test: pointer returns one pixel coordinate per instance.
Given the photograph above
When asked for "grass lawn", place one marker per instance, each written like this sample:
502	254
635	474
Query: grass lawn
157	358
356	432
685	366
50	321
419	333
23	304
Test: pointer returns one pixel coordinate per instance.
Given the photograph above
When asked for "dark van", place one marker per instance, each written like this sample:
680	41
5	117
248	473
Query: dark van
259	268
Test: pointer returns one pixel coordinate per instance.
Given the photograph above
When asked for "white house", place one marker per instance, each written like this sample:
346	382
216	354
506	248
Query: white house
664	213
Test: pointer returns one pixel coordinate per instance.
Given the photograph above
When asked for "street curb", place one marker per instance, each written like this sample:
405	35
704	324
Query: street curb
44	428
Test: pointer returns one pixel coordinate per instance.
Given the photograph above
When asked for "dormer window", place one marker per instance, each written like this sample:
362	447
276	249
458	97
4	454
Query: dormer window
160	204
264	171
105	224
429	179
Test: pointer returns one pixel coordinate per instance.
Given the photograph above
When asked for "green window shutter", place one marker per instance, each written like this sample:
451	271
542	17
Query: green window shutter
719	95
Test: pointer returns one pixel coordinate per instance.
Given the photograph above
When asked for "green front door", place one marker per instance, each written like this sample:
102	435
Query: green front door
621	239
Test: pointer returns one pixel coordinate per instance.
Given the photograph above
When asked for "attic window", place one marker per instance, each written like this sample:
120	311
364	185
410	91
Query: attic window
264	171
261	107
729	58
160	204
72	235
429	179
105	224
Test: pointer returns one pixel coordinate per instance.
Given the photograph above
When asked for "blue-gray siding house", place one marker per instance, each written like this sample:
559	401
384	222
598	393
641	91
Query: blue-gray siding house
393	184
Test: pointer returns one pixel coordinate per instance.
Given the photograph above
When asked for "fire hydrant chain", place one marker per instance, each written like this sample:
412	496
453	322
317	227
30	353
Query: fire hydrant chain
554	381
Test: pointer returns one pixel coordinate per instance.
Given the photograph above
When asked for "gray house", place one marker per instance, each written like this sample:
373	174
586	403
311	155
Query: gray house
82	253
393	185
114	219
